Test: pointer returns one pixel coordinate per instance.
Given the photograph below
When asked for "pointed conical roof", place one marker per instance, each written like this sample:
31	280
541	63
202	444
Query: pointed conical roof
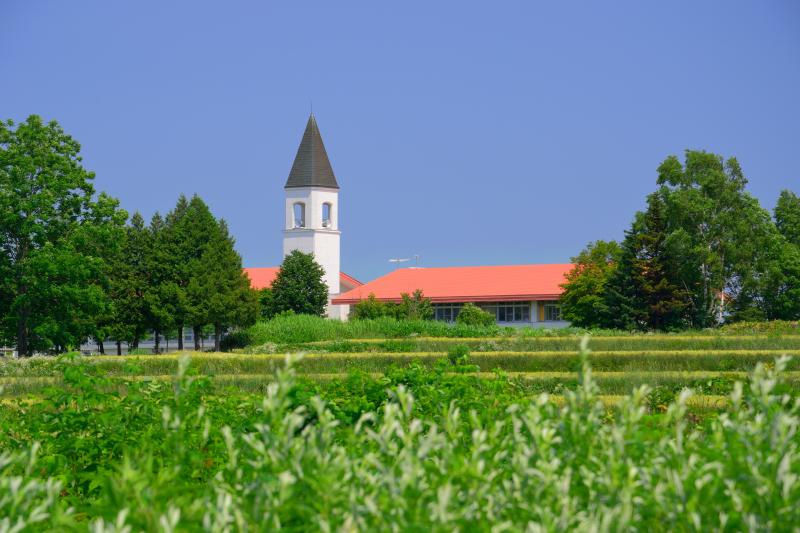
311	167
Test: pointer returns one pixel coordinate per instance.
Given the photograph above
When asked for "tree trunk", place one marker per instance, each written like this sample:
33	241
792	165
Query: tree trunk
157	338
119	347
23	346
101	347
180	338
197	332
135	344
217	336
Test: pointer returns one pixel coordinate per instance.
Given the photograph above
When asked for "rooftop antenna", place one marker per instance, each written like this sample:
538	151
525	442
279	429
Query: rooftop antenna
398	261
416	260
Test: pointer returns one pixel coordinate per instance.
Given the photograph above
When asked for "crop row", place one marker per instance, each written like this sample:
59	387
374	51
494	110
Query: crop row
533	344
527	382
542	361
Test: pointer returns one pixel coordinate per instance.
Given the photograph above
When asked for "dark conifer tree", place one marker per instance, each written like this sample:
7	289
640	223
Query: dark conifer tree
222	286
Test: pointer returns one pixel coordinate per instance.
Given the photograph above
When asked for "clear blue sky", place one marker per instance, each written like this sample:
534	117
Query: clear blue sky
468	133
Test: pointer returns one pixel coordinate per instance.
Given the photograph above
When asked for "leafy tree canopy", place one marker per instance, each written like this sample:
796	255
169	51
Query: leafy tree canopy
54	236
582	301
299	286
787	216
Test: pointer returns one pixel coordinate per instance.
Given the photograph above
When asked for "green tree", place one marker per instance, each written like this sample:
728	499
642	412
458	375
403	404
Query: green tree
373	308
787	216
716	228
299	286
583	301
416	306
129	282
265	303
54	235
189	228
223	287
642	292
161	296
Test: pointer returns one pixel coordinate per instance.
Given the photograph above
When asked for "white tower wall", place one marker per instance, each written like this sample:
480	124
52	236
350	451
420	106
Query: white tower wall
316	237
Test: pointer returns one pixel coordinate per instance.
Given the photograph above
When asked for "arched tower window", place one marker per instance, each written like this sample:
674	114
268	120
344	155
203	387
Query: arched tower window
299	215
327	220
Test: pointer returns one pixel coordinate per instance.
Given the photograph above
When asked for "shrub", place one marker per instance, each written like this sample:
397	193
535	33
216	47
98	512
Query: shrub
472	315
458	354
239	338
373	308
416	306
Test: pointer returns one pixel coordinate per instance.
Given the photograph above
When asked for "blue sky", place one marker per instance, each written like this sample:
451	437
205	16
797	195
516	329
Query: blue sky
466	132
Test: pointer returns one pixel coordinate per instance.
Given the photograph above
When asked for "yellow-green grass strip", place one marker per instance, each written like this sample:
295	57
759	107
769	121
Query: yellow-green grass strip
511	361
559	339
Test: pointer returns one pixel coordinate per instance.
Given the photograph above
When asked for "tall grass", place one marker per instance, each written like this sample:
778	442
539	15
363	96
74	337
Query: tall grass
299	329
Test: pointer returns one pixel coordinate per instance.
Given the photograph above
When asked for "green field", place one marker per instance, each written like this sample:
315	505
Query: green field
516	431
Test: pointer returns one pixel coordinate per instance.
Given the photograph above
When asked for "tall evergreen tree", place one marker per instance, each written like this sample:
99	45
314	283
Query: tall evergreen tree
54	235
662	302
162	294
222	286
178	261
299	286
130	281
195	228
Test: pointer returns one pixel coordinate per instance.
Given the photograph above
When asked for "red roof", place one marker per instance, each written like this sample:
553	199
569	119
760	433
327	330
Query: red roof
466	284
262	278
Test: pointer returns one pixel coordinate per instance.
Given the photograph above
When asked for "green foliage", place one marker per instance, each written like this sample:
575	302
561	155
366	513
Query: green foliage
787	216
702	253
642	291
293	329
372	308
472	315
223	287
583	302
54	237
195	457
299	287
458	354
416	306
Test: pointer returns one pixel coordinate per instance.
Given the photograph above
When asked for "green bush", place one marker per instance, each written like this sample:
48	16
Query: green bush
237	339
372	308
458	354
299	329
472	315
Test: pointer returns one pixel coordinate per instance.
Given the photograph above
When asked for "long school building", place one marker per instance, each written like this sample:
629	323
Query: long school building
514	294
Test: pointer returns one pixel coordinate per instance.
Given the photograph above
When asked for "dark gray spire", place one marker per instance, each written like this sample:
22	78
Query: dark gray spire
311	167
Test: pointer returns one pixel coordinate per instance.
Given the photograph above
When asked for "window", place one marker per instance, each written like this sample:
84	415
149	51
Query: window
552	312
326	215
446	312
509	311
502	311
299	215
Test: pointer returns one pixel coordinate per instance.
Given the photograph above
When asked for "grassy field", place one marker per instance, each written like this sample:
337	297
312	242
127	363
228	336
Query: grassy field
401	429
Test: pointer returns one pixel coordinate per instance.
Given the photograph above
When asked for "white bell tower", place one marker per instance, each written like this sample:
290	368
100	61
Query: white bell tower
312	210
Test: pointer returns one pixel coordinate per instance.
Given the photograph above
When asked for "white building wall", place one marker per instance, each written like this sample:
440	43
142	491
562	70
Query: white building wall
323	242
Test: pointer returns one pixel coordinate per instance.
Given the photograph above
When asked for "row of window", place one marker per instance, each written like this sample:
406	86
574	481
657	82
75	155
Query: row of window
299	210
502	311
